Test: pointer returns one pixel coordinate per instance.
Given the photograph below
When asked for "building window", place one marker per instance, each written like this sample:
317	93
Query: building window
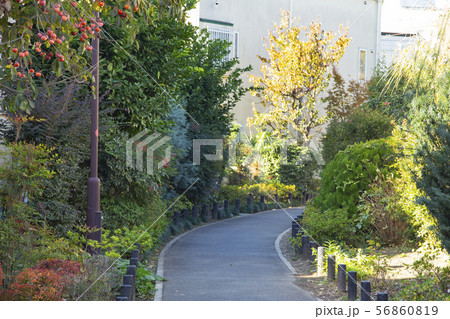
227	35
362	64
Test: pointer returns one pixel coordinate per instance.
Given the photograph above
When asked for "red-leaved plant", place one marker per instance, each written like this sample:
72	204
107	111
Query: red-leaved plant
36	285
1	275
61	267
46	281
67	269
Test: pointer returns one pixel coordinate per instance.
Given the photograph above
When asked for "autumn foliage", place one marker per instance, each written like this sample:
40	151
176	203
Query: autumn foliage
61	267
35	285
295	73
1	274
342	99
42	39
46	281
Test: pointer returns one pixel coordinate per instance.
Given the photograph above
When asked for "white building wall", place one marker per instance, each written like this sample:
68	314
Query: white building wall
193	16
254	18
402	18
391	45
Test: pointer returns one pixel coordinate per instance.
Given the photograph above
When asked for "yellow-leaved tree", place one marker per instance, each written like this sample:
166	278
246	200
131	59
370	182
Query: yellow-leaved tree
293	76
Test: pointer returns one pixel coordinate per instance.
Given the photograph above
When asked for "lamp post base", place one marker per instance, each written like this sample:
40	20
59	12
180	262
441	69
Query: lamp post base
94	215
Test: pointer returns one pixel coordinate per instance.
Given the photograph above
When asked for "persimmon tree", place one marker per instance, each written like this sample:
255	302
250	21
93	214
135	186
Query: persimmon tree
293	76
42	38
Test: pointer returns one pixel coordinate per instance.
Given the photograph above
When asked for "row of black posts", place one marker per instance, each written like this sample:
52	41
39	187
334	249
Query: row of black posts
306	252
215	206
128	288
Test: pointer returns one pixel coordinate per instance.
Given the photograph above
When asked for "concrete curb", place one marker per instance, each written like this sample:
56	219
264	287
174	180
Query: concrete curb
280	254
284	260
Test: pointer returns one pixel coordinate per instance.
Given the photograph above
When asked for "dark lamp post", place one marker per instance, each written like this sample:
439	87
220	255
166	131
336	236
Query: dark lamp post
94	215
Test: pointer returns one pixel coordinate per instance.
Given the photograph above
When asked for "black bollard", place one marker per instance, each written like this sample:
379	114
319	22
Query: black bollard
135	254
195	212
134	261
125	291
352	280
290	198
365	291
261	202
237	206
138	247
204	211
298	247
299	220
128	281
382	296
305	247
312	244
225	205
295	229
214	210
276	198
331	274
341	277
184	213
249	204
131	270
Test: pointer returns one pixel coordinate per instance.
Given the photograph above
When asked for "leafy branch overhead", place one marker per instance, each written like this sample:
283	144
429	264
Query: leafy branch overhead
46	38
293	76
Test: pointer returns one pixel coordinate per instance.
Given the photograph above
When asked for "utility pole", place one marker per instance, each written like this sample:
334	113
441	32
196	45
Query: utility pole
94	215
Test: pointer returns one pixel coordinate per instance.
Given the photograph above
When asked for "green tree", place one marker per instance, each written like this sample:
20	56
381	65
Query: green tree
295	73
388	99
213	88
272	159
46	38
23	175
60	120
174	80
436	179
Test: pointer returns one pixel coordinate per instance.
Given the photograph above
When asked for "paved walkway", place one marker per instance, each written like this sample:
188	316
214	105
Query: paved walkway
231	260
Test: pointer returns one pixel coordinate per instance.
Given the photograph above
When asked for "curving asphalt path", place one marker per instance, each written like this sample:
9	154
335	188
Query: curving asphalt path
231	260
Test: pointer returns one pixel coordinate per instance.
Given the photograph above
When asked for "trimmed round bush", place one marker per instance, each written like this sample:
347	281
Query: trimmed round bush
333	214
360	126
349	174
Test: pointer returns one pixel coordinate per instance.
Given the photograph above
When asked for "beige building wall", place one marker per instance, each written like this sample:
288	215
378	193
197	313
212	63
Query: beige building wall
252	19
